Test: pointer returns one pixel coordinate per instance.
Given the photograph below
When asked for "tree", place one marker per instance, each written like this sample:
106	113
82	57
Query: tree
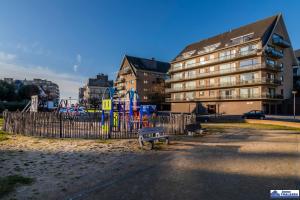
7	91
27	91
95	102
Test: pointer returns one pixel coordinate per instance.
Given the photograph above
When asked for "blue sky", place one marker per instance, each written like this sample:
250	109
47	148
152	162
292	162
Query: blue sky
67	41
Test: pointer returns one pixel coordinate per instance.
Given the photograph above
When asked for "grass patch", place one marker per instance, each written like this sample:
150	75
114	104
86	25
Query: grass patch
1	122
9	183
224	126
3	136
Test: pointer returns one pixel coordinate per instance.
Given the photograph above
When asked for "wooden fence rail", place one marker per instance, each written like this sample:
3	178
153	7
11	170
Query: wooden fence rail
53	125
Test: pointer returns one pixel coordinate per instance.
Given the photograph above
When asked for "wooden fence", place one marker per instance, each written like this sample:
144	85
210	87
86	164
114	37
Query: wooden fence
55	125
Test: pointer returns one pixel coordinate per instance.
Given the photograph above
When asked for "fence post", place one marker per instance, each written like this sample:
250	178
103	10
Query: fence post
4	120
60	125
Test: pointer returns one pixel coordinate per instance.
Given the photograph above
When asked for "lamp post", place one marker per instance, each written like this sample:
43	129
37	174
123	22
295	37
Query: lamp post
294	93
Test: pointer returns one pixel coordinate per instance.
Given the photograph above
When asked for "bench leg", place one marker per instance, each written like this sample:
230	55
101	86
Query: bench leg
141	142
167	141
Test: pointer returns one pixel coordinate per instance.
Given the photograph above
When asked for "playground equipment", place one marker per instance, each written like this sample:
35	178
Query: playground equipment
128	111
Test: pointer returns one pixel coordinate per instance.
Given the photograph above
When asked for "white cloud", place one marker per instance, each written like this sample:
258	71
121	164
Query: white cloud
68	84
6	56
75	67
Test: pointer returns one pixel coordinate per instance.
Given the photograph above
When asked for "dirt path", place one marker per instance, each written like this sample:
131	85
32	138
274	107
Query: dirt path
241	163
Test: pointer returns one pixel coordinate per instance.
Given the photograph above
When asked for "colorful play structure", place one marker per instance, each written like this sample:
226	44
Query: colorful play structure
129	110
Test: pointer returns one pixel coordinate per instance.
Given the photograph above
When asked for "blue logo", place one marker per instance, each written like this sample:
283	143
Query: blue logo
284	194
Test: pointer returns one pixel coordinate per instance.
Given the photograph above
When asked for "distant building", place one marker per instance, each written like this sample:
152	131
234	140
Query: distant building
92	92
48	89
146	77
248	68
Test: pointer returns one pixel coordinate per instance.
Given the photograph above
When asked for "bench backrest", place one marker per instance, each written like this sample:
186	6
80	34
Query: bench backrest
150	130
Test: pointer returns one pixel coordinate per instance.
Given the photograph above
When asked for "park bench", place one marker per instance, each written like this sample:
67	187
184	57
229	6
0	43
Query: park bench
195	128
152	135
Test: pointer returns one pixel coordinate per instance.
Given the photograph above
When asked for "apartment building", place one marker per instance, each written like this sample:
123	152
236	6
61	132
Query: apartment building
47	88
146	77
296	70
248	68
91	93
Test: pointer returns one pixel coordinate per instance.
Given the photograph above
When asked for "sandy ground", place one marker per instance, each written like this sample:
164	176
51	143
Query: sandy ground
61	166
235	163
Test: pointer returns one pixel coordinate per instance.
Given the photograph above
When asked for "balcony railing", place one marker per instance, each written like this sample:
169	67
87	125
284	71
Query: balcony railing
227	84
120	80
125	71
226	71
281	42
232	97
216	60
274	53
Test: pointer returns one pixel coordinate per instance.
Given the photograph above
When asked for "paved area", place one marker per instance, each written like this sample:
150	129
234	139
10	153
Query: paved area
236	164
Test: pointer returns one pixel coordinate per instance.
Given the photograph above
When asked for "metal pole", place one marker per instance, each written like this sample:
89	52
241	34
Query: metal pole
294	105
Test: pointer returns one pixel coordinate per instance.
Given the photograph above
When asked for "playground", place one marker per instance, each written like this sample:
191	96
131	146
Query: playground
118	118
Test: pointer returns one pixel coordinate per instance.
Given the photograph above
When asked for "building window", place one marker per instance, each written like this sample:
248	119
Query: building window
190	74
227	67
145	74
249	62
211	69
189	95
202	60
211	81
190	63
145	81
177	76
249	92
177	85
202	70
145	97
225	80
212	93
145	89
228	94
241	39
247	77
227	54
202	83
178	96
201	93
177	66
190	84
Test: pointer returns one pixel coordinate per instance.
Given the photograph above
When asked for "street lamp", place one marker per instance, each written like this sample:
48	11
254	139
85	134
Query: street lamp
294	93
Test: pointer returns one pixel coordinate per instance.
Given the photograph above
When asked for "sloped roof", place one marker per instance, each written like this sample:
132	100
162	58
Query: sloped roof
261	29
148	64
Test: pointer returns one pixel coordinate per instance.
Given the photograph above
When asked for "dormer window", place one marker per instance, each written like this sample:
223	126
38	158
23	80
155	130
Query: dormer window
188	54
242	39
212	47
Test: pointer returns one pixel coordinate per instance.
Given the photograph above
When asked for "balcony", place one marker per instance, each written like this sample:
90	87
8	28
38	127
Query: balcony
216	60
229	98
120	80
281	42
274	53
121	87
233	84
227	71
125	71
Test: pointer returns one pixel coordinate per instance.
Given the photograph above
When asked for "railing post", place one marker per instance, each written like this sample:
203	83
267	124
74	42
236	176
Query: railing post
60	125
